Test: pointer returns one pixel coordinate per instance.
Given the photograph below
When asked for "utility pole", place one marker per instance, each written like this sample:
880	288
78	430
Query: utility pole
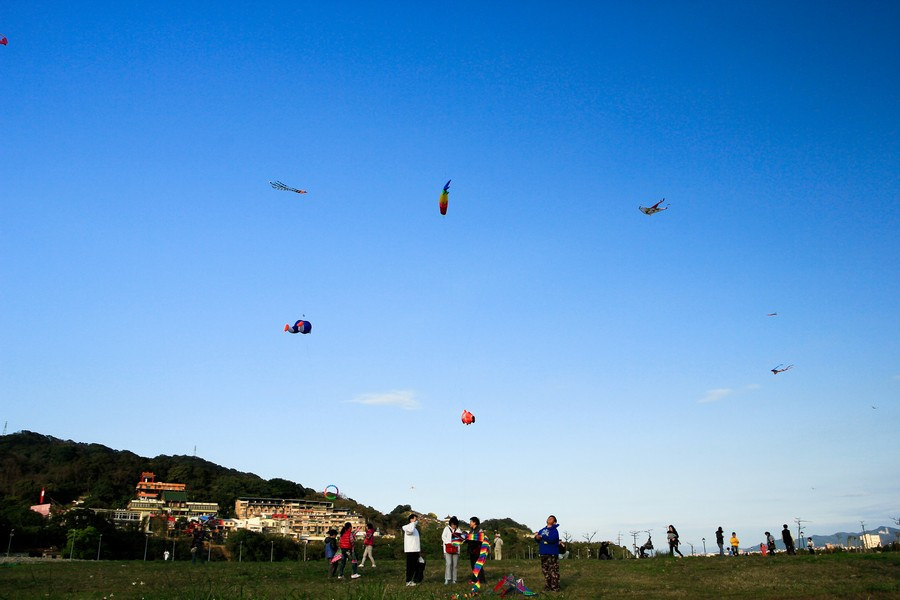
799	522
634	535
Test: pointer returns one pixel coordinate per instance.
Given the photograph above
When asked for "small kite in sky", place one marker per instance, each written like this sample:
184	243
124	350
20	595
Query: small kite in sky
652	210
775	314
778	369
285	188
467	418
3	40
445	197
299	327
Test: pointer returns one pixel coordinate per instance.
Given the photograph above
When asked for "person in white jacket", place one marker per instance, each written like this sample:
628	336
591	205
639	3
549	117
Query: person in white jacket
451	552
412	547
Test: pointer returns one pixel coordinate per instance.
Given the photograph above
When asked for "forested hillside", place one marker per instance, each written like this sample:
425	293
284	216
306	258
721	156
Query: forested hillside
106	478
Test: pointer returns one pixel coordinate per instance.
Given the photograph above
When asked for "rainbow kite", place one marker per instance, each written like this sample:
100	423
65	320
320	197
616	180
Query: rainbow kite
482	555
445	197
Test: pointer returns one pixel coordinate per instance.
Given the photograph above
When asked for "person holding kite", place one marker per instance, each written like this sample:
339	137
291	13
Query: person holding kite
477	546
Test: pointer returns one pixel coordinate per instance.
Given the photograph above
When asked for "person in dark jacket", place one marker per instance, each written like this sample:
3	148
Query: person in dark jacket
672	536
474	539
788	540
720	541
332	552
548	540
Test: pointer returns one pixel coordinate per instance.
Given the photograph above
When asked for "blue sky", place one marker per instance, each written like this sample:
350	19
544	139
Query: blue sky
617	364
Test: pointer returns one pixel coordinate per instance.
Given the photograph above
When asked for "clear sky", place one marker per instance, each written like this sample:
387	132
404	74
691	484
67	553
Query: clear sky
618	364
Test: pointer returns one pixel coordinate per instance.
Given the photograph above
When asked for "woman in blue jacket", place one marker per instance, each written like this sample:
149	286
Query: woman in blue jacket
548	541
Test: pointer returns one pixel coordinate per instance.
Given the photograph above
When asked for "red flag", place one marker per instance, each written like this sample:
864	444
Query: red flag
42	496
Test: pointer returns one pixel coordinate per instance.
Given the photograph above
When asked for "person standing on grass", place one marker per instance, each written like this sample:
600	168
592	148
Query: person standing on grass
412	547
672	536
735	542
788	539
332	552
348	534
548	540
368	543
498	546
810	546
450	535
720	541
474	539
770	543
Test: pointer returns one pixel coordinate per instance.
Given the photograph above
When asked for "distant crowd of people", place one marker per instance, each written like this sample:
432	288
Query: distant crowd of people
734	543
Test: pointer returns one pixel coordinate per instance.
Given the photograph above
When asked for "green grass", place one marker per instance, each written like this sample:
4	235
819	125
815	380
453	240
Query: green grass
827	576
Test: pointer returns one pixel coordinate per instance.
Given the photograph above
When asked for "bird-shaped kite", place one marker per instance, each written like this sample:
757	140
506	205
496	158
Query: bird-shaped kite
299	327
467	418
652	210
285	188
445	197
3	40
778	369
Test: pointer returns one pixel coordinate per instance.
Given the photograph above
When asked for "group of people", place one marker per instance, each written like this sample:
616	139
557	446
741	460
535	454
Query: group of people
769	546
339	549
474	540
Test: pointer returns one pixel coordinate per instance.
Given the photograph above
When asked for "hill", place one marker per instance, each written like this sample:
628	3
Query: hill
106	478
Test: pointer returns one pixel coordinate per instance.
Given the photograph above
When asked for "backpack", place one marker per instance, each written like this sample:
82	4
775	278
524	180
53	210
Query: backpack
330	548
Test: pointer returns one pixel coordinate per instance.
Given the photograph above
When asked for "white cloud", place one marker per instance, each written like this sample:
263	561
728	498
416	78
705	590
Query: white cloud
715	395
405	399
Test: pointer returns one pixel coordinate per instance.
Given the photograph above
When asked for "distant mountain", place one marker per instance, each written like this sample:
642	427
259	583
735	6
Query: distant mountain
887	535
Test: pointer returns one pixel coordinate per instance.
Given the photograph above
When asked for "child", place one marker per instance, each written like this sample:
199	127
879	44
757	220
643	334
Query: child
735	542
348	535
368	542
331	552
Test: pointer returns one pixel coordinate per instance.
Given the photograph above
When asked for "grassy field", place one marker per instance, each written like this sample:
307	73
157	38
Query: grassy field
826	576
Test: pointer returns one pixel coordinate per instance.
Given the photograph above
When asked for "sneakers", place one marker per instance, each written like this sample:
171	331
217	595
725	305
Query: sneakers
355	576
340	576
410	584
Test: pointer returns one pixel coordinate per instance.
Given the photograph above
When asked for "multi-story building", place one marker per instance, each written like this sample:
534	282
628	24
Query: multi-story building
301	519
157	498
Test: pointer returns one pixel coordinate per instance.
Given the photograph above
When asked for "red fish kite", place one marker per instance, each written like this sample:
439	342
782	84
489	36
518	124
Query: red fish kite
467	418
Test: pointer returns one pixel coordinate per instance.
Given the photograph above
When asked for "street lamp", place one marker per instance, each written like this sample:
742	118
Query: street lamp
272	552
146	543
241	551
704	545
99	543
12	532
